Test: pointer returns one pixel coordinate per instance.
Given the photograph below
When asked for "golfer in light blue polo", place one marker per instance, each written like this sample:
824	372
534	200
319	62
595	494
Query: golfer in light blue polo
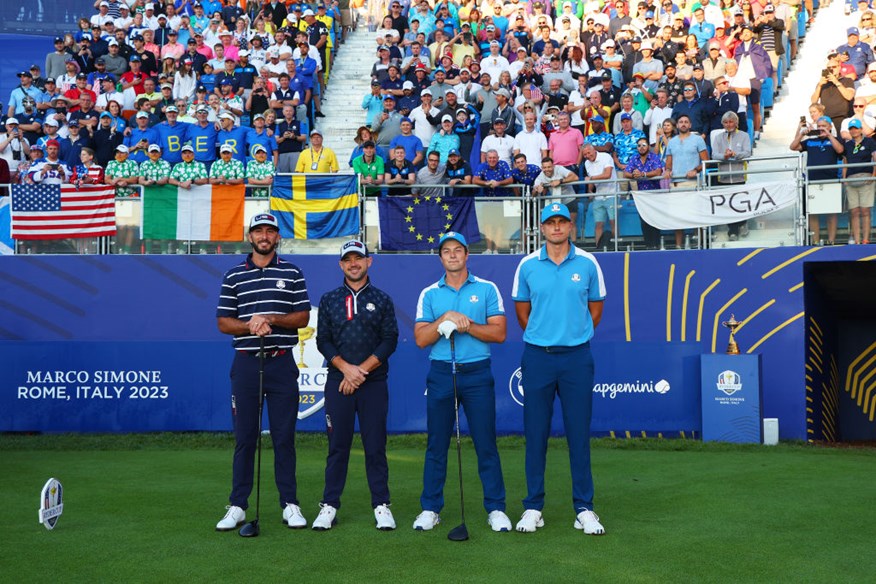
470	309
558	293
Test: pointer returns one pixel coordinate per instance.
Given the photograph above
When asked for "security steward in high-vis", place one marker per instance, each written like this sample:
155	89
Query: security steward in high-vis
558	293
264	296
474	307
356	333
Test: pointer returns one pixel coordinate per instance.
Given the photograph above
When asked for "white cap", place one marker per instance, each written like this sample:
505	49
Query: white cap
407	85
446	118
307	12
122	148
12	121
226	148
51	122
226	115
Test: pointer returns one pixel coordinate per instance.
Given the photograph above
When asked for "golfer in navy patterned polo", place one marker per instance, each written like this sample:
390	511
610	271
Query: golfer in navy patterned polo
356	333
558	292
263	297
471	309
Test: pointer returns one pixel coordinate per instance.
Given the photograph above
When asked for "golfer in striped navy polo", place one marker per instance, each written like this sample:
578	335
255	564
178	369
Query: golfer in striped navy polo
263	297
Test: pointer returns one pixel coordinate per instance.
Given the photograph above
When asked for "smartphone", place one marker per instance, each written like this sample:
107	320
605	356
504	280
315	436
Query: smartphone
802	119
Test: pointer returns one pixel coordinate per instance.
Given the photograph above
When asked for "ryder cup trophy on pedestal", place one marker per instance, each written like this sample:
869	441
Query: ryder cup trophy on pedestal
304	335
733	325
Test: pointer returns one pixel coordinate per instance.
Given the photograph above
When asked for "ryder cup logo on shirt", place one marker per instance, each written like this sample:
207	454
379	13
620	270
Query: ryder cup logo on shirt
370	307
729	382
281	284
576	277
473	298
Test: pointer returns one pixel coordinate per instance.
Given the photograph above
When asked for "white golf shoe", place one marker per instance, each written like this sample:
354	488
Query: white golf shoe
326	518
426	521
530	521
383	518
293	518
498	521
589	522
233	519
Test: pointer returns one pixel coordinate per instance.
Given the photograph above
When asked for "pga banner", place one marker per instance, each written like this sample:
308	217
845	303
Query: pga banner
692	209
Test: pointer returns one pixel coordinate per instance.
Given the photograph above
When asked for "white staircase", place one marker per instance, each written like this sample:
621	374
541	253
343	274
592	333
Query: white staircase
826	33
350	81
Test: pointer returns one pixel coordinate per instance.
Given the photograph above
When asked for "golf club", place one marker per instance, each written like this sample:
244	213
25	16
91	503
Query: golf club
251	529
460	532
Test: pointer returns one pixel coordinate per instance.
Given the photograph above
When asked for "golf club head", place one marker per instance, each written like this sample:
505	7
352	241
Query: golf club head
458	533
251	529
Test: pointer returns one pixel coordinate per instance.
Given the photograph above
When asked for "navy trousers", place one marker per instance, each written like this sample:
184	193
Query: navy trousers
371	403
567	372
477	397
281	397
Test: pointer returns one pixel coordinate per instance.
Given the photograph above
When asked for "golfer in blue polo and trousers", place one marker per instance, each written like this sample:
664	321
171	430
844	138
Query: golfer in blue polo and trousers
558	293
471	309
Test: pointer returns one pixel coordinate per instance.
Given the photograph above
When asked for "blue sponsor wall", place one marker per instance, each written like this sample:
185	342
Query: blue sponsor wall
127	343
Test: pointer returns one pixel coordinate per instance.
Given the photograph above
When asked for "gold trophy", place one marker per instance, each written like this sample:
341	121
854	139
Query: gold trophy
304	334
732	324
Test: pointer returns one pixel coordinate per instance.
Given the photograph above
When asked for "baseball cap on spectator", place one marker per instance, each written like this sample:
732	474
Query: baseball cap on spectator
315	131
503	92
870	67
37	146
498	121
636	74
855	123
608	43
226	148
407	85
406	119
369	144
555	210
119	148
25	74
171	109
160	16
100	61
453	152
606	76
73	124
78	76
59	40
464	70
769	8
354	246
50	80
106	115
154	148
453	236
166	86
259	148
194	42
698	67
258	117
51	122
626	116
134	59
243	53
202	109
307	12
263	219
142	115
668	65
446	118
187	148
853	31
388	98
646	45
226	116
426	91
597	118
375	83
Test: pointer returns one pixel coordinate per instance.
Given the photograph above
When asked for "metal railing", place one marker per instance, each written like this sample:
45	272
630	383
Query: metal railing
509	223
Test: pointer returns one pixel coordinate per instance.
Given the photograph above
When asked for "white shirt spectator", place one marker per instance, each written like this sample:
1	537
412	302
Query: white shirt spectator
422	128
530	144
597	167
655	118
504	146
494	65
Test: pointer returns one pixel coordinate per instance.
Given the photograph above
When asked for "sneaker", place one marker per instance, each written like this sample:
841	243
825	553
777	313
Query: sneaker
732	237
426	521
326	518
293	518
498	521
232	520
530	521
319	114
383	518
589	522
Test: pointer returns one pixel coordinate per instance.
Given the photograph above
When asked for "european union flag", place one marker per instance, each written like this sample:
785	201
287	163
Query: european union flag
316	206
418	222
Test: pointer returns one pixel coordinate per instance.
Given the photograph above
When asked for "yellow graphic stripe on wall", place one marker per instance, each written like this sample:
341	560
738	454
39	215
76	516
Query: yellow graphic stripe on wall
669	303
852	366
755	313
790	261
702	304
684	305
764	338
627	295
749	256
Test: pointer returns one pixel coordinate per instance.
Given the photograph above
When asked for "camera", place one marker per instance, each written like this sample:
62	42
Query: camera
825	73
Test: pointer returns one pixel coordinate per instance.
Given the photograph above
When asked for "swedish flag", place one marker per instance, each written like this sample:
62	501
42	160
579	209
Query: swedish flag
316	206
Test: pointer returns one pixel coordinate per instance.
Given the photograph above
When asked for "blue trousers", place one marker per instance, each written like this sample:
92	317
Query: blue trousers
371	403
281	396
477	397
567	372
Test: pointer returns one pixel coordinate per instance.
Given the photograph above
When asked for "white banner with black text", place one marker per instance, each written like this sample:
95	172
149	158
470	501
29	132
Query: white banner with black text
690	209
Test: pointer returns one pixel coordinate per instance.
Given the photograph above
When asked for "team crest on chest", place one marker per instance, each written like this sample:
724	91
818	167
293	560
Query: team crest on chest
370	307
576	277
281	284
473	298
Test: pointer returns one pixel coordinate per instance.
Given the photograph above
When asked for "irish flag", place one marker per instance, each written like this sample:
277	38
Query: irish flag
202	213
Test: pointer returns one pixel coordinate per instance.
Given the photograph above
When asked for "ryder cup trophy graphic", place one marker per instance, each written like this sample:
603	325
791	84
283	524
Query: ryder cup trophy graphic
304	335
733	325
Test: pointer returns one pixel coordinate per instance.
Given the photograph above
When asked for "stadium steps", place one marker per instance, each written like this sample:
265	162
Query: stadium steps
827	32
350	81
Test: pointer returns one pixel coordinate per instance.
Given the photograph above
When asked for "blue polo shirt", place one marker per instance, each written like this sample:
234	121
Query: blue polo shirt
559	295
478	299
278	288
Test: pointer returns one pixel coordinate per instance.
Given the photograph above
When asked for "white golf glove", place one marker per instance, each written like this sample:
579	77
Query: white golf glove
446	328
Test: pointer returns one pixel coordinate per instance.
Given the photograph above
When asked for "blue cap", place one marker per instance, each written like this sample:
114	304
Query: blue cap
853	31
855	123
455	152
134	59
597	119
626	116
455	237
263	219
825	119
406	119
555	210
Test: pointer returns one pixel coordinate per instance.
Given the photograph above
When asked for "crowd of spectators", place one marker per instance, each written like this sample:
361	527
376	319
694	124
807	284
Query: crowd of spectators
175	91
609	96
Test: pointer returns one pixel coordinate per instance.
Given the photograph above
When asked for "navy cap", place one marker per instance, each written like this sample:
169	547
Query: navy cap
555	210
354	246
455	236
453	152
264	219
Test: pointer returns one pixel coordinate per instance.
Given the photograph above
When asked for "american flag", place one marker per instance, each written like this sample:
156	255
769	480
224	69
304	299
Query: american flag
62	211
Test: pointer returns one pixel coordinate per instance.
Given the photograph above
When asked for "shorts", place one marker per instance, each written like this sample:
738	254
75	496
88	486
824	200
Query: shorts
603	208
346	17
774	59
860	194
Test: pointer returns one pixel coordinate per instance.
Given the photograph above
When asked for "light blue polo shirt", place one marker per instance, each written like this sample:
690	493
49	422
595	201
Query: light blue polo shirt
478	299
559	295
